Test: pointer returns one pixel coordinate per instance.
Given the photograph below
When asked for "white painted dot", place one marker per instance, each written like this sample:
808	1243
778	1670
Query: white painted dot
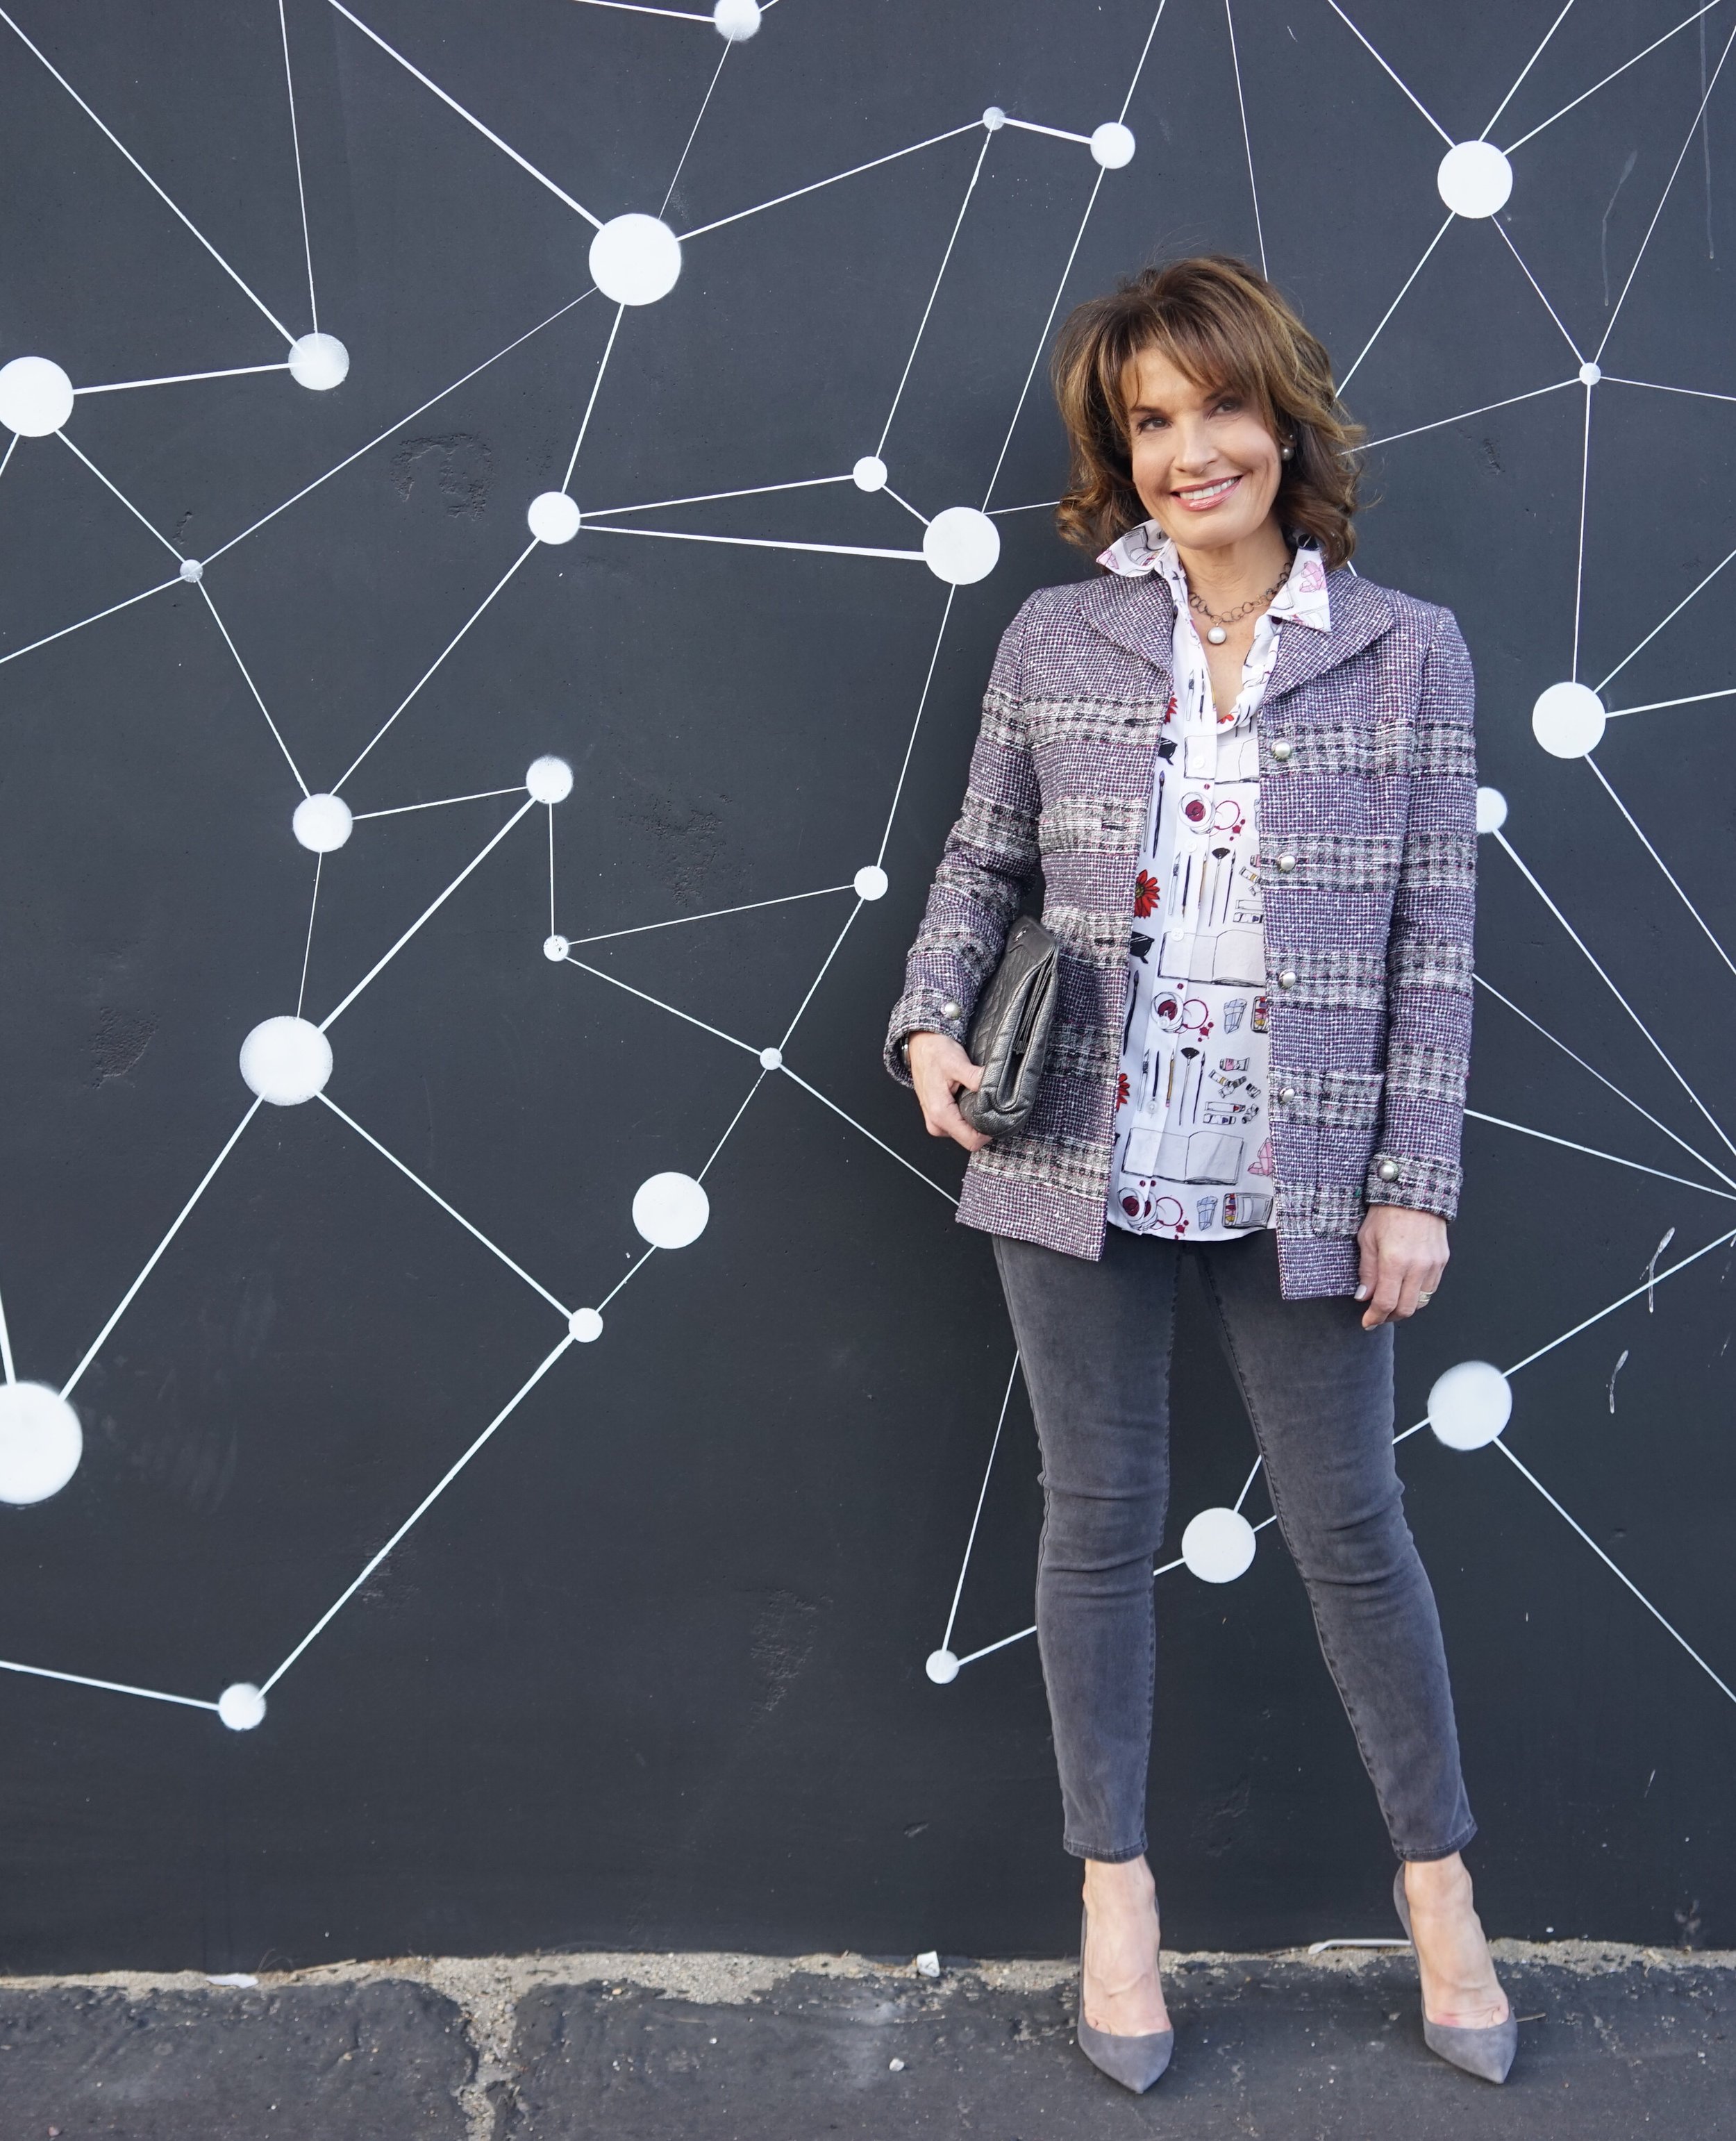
318	361
1590	374
1491	810
585	1325
869	473
241	1706
549	780
554	517
1470	1405
771	1058
961	545
322	823
1474	179
736	20
286	1060
871	882
635	259
1218	1545
942	1668
1113	144
41	1442
555	948
670	1210
994	119
192	571
35	397
1568	720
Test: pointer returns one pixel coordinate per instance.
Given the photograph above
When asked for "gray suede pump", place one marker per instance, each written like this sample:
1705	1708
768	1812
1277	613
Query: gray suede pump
1135	2062
1487	2053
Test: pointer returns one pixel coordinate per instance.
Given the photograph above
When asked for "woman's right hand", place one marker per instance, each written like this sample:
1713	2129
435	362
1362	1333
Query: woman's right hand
938	1069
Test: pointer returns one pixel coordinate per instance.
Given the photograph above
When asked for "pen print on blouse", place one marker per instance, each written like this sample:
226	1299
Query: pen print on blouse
1192	1158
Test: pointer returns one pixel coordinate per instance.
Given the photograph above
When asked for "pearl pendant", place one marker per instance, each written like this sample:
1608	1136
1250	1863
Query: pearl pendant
1217	635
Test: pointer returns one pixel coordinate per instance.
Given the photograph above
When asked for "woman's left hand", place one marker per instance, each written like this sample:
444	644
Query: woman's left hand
1403	1253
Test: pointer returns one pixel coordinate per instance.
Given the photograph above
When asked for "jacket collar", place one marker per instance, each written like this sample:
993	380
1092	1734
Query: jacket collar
1139	614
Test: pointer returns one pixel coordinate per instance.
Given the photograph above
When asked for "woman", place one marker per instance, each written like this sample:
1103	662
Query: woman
1246	775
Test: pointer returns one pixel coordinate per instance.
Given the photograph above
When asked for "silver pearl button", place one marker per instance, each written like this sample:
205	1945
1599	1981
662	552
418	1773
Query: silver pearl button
1287	980
1281	750
1388	1170
949	1009
1286	1093
1286	864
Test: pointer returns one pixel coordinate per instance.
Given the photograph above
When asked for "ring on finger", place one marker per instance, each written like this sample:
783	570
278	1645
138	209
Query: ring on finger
1424	1299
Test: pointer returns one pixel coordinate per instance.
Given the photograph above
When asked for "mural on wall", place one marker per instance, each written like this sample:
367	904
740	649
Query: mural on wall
881	511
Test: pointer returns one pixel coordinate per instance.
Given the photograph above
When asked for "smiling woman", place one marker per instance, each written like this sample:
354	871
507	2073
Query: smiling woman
1264	1077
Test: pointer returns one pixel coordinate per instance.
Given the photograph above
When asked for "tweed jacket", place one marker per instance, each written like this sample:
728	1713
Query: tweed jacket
1368	854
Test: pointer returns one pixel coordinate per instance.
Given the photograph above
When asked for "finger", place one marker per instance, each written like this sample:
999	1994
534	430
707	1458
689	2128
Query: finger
952	1125
1410	1287
1385	1299
1368	1272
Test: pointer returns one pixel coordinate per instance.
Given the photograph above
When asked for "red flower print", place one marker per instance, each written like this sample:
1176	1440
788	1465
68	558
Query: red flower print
1145	895
1123	1090
1170	710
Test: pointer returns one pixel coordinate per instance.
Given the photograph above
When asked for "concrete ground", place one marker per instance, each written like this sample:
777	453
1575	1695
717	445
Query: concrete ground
1616	2042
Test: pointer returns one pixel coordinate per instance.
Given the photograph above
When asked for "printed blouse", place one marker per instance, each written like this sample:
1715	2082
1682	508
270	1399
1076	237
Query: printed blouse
1192	1157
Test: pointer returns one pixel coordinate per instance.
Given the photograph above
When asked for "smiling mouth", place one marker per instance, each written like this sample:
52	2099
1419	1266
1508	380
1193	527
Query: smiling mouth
1207	494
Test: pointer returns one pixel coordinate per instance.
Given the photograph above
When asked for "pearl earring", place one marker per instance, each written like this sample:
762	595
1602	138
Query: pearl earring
1285	452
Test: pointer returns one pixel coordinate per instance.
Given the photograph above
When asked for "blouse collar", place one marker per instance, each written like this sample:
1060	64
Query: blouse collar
1150	549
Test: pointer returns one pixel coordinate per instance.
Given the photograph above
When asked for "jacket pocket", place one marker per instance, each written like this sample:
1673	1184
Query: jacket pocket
1325	1124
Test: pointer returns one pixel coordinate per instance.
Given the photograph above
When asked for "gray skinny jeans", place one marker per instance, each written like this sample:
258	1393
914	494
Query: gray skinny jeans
1095	1341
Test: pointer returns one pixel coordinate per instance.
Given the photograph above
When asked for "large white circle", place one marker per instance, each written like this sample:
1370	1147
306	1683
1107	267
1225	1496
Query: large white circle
555	948
41	1442
942	1668
286	1060
1491	810
635	259
736	20
1568	720
771	1058
318	361
869	473
1218	1545
549	780
871	882
322	823
192	571
961	545
554	517
35	397
1113	144
585	1325
1470	1405
1474	179
670	1210
241	1706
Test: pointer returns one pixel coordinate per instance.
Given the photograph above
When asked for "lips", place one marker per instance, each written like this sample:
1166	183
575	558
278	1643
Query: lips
1201	499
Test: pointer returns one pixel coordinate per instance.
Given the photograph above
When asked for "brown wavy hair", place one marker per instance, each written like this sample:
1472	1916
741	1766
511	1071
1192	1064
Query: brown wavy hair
1220	322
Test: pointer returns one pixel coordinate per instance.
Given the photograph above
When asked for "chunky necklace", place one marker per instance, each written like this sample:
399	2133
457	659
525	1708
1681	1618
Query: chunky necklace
1220	618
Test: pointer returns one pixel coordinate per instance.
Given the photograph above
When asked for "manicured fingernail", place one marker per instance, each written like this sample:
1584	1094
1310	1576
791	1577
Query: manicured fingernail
1362	1293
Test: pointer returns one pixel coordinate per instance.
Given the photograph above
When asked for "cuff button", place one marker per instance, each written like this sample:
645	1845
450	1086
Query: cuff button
1388	1170
949	1009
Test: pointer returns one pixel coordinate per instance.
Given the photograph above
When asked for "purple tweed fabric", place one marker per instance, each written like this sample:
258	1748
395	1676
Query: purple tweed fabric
1375	799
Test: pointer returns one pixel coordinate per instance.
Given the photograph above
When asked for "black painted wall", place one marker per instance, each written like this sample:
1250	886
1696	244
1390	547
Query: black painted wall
650	1672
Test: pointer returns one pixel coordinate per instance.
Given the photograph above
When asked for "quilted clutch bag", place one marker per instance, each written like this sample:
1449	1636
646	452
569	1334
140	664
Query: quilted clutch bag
1009	1035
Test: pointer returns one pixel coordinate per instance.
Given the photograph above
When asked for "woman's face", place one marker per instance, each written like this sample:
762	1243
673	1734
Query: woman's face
1205	468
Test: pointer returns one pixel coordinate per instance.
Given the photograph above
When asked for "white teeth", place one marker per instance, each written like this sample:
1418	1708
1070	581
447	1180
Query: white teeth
1211	489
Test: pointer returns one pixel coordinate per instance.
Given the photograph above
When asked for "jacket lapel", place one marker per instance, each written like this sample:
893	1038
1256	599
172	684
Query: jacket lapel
1139	615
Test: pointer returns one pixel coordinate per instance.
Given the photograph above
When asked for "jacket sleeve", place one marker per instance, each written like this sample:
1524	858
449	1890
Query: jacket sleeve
1429	983
987	861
